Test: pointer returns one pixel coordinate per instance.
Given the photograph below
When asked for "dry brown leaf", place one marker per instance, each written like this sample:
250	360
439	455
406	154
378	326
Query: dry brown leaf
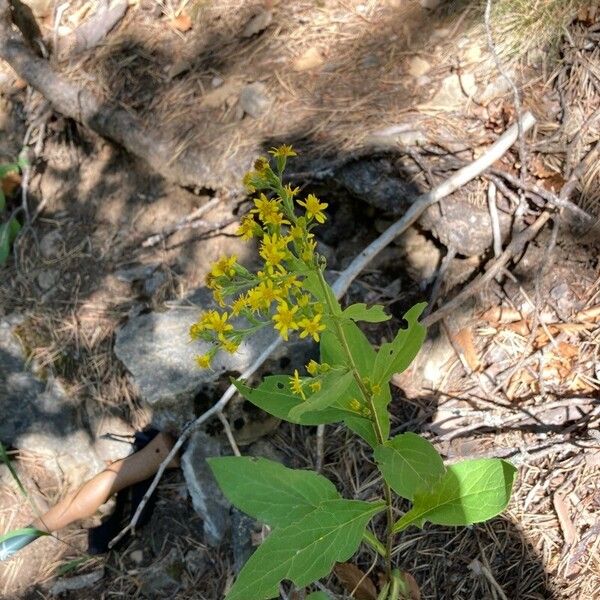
521	327
10	182
589	314
566	524
553	183
414	592
311	59
354	580
464	340
182	23
501	314
539	169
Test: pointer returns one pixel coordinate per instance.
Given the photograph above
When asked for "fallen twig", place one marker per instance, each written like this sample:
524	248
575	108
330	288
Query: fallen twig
341	285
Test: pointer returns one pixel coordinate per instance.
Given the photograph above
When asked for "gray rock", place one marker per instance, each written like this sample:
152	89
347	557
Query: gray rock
430	4
242	527
406	134
163	578
136	273
258	23
47	279
464	221
374	181
155	348
207	498
254	100
39	416
51	244
154	283
79	582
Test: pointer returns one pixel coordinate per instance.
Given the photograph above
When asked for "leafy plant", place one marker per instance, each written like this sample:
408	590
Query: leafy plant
10	228
313	527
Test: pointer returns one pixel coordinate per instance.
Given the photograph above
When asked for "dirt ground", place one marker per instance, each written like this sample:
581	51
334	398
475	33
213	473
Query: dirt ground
332	78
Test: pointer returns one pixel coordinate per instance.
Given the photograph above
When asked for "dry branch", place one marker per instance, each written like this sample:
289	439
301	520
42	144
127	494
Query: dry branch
105	118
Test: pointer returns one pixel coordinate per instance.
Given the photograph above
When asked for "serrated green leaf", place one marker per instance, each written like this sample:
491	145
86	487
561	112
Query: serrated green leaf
6	460
397	355
318	596
409	463
333	387
268	491
275	397
471	491
306	550
368	314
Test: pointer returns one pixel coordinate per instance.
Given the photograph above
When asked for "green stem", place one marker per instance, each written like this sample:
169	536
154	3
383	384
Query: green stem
368	397
395	591
371	540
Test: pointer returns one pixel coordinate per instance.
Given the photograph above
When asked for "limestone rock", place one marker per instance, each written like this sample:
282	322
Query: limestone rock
39	416
156	350
254	100
207	498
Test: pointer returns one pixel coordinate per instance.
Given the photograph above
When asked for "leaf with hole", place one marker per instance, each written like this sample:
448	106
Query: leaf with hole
306	550
268	491
409	464
470	492
368	314
395	357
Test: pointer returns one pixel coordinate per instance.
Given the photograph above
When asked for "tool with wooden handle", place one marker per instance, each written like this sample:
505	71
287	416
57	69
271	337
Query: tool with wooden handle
85	501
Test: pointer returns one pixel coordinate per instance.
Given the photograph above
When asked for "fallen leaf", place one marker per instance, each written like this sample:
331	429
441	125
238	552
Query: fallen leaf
539	169
566	524
589	314
414	592
311	59
464	340
354	580
182	23
501	314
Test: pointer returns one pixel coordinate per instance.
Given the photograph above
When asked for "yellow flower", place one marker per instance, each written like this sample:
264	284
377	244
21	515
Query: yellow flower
239	304
267	210
308	251
218	322
355	405
315	386
261	164
268	293
229	345
297	232
284	319
224	266
290	191
312	367
288	282
273	249
282	151
303	300
203	360
314	208
296	385
275	218
255	299
248	228
312	327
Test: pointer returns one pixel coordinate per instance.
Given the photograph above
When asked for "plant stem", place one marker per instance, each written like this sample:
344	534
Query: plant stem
372	540
376	423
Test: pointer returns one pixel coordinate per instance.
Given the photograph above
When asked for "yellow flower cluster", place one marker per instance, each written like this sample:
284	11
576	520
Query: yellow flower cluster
287	247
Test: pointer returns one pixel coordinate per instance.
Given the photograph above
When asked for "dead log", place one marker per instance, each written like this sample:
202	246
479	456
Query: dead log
187	168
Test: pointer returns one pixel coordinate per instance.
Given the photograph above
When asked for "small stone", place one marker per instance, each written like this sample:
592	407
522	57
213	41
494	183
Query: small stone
310	59
154	283
47	279
418	66
162	579
50	244
430	4
136	273
423	81
137	556
207	498
451	92
405	134
216	82
497	88
254	100
258	23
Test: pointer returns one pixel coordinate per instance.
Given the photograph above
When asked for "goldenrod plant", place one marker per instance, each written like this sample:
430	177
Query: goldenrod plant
313	527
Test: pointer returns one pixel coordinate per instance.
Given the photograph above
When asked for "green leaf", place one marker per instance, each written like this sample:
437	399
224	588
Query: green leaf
332	351
409	464
275	397
2	200
268	491
371	314
471	491
396	356
6	460
8	233
12	542
318	596
8	168
333	388
306	550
